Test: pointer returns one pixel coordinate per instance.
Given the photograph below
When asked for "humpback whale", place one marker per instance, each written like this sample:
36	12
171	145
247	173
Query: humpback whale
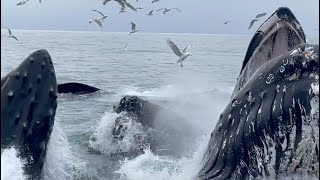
28	106
270	127
167	131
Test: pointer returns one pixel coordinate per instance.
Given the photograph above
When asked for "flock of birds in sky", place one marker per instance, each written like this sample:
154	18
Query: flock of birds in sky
126	5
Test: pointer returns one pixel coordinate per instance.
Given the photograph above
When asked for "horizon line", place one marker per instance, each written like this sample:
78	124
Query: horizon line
55	30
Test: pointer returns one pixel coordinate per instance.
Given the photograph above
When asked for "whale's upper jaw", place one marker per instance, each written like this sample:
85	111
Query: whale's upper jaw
128	104
280	33
28	106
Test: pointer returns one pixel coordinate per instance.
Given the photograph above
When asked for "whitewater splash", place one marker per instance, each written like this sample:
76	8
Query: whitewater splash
11	165
60	162
200	106
103	140
151	166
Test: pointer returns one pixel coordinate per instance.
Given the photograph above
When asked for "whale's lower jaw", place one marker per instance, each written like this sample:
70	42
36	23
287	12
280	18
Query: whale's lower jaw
28	106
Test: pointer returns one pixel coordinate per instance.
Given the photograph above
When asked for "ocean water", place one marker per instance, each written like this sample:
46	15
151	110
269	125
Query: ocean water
198	92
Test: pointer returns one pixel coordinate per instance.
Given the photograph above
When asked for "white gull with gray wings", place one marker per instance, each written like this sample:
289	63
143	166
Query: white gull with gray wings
182	55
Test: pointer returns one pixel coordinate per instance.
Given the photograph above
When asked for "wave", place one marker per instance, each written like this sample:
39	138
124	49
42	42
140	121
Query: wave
151	166
11	165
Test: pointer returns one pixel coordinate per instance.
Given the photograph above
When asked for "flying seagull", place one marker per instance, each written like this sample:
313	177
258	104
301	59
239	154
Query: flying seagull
226	22
97	21
103	16
123	4
23	2
182	55
150	13
153	1
125	48
133	28
165	10
260	15
256	19
11	36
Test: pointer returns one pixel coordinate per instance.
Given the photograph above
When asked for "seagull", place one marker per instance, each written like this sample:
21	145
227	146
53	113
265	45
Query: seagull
256	19
103	16
125	48
252	21
260	15
133	28
11	36
153	1
122	10
123	4
127	4
167	10
226	22
139	8
150	13
97	21
182	55
23	2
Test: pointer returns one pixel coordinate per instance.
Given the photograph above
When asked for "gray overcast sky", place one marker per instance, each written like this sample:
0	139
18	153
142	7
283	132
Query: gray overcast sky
198	16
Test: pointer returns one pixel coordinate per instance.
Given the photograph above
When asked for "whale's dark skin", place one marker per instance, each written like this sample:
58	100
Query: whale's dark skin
28	106
264	127
76	88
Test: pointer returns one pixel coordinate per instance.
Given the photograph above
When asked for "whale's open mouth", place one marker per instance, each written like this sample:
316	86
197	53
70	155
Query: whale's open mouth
280	33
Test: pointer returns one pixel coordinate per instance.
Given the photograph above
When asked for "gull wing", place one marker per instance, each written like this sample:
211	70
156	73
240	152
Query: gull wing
177	9
14	38
160	9
133	26
261	15
118	1
129	5
98	23
186	49
173	47
9	32
99	12
251	23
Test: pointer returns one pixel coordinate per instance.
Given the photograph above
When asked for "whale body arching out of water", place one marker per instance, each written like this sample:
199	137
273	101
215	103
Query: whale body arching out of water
270	128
